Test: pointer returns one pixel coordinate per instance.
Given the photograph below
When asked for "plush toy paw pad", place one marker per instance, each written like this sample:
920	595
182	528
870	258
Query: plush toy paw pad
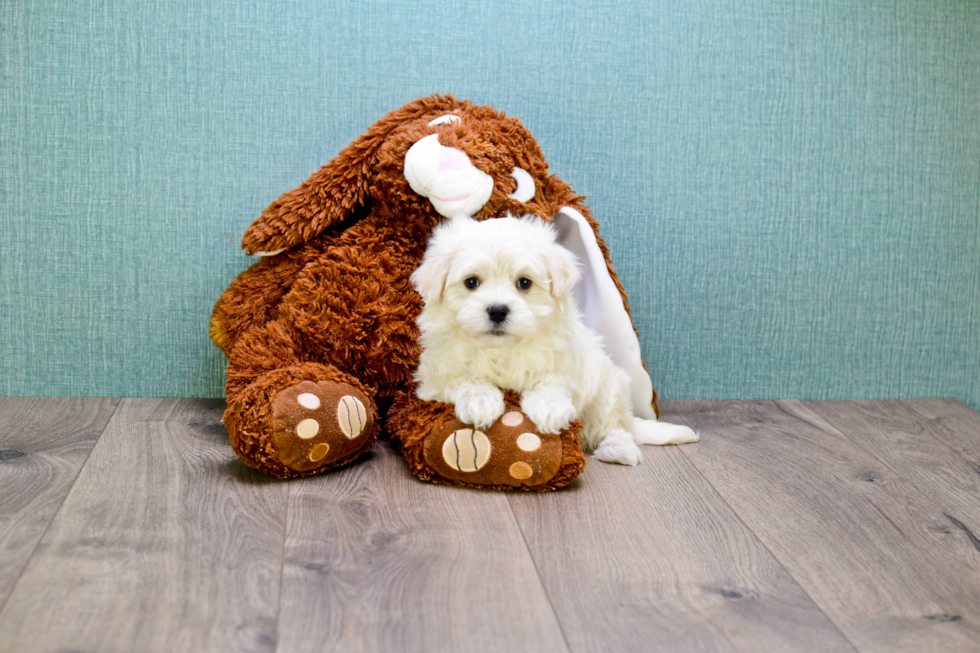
308	400
351	416
466	450
521	471
510	452
315	424
528	442
512	418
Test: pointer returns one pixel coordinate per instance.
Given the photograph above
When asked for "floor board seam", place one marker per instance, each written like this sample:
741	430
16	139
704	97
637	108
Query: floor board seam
282	561
765	546
54	516
537	572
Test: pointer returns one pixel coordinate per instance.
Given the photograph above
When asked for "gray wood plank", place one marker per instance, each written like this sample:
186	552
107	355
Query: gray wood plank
912	446
166	542
652	559
954	424
43	444
874	553
379	561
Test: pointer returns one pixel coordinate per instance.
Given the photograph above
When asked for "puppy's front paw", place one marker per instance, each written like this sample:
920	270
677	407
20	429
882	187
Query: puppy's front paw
619	448
479	405
549	408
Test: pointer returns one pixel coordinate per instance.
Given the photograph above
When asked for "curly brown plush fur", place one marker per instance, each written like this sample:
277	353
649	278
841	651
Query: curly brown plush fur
336	306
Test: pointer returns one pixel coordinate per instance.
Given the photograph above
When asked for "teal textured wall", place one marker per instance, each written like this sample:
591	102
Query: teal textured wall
791	189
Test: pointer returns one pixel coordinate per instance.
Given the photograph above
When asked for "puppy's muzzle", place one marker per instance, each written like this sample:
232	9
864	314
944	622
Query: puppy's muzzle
498	313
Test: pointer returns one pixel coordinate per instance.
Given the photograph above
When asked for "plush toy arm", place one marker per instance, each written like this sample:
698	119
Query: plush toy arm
253	298
334	193
327	198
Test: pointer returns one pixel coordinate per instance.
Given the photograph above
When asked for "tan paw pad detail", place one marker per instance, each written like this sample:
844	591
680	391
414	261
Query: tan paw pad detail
307	429
351	416
466	450
521	471
513	418
319	451
528	442
308	400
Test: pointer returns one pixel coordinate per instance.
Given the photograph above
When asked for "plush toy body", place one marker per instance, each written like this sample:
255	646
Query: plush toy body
321	333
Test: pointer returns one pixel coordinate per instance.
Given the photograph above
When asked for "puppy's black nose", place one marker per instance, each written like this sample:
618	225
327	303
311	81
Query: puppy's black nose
498	313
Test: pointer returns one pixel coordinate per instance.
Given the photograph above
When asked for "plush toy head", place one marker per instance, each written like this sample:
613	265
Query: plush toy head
433	158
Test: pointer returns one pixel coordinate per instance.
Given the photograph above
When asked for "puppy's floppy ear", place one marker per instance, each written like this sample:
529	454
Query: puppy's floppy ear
562	269
334	192
430	277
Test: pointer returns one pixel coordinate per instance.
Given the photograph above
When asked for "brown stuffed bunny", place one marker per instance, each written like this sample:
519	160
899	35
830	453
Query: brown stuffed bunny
321	336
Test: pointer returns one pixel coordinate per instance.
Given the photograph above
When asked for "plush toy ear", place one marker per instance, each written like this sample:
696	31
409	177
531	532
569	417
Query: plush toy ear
334	192
600	298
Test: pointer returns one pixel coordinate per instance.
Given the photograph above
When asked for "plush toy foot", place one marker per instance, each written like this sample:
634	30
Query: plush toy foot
511	453
321	424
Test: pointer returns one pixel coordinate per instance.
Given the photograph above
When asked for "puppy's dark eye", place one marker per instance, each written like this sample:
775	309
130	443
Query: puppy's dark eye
523	283
471	283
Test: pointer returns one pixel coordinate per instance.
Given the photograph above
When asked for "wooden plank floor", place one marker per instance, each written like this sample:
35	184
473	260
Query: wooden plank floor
129	525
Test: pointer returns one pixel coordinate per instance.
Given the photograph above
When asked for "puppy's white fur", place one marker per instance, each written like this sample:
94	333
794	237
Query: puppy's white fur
542	349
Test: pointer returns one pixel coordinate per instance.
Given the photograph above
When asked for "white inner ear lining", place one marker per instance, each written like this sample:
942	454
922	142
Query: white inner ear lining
272	253
602	306
441	120
525	185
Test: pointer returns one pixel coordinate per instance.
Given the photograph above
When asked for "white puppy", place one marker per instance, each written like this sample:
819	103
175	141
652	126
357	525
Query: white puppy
498	314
